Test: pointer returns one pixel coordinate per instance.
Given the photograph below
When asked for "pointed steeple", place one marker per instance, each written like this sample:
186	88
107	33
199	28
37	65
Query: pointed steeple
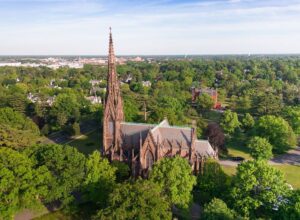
111	53
113	109
111	75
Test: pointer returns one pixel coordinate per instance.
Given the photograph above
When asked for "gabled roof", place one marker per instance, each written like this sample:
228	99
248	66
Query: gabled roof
165	134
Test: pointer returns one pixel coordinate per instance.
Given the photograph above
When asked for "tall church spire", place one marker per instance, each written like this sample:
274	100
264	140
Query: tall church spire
113	110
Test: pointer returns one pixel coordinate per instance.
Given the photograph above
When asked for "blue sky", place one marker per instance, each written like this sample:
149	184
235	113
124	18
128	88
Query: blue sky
74	27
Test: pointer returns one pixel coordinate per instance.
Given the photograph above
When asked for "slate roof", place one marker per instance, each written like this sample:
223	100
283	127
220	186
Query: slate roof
164	134
131	133
204	148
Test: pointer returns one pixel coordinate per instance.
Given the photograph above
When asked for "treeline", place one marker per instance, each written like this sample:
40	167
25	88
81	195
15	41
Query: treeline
92	188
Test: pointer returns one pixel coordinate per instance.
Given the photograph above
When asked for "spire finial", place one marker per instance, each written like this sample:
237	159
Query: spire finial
110	30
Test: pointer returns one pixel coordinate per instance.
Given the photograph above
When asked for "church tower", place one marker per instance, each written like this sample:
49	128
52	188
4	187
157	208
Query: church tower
113	110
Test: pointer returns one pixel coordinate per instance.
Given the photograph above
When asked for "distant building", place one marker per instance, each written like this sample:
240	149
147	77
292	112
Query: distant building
95	82
36	98
213	93
146	83
94	99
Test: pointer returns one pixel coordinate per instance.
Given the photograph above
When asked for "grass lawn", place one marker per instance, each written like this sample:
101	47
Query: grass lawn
236	146
229	170
88	143
291	173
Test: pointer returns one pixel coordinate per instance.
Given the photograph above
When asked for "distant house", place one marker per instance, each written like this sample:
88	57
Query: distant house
213	93
32	98
146	83
36	98
94	99
95	82
52	84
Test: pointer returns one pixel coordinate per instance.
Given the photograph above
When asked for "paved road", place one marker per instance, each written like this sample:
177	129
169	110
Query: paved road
291	157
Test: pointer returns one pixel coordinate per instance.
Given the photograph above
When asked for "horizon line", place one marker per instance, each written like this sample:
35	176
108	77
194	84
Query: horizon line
102	55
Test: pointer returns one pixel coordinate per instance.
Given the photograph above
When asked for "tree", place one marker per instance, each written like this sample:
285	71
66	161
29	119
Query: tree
277	131
66	166
99	179
212	182
65	107
204	102
122	170
16	139
75	129
142	199
217	210
230	121
257	189
175	177
292	115
291	209
18	102
248	121
131	109
17	120
260	148
21	186
268	103
216	137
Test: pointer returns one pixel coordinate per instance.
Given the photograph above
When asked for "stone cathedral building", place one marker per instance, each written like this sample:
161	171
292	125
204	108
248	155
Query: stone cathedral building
140	145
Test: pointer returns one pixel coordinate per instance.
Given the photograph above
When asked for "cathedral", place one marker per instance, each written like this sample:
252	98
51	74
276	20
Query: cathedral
140	145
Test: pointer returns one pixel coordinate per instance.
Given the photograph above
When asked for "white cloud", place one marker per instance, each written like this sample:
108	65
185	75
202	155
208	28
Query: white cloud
191	28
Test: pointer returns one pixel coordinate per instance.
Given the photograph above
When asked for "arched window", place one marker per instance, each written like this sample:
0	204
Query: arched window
149	159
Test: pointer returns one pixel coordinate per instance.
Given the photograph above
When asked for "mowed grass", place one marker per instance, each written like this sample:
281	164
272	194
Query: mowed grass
88	143
291	173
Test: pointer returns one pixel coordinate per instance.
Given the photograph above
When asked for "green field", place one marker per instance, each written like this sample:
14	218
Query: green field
229	170
88	143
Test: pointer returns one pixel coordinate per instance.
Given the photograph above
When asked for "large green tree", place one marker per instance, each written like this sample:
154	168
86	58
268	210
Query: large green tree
217	210
67	167
230	121
15	138
260	148
292	115
21	185
99	180
277	131
175	177
142	199
17	120
257	189
248	121
205	102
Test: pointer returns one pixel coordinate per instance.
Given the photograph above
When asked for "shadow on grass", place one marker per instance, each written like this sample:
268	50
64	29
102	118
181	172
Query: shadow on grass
236	145
88	143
